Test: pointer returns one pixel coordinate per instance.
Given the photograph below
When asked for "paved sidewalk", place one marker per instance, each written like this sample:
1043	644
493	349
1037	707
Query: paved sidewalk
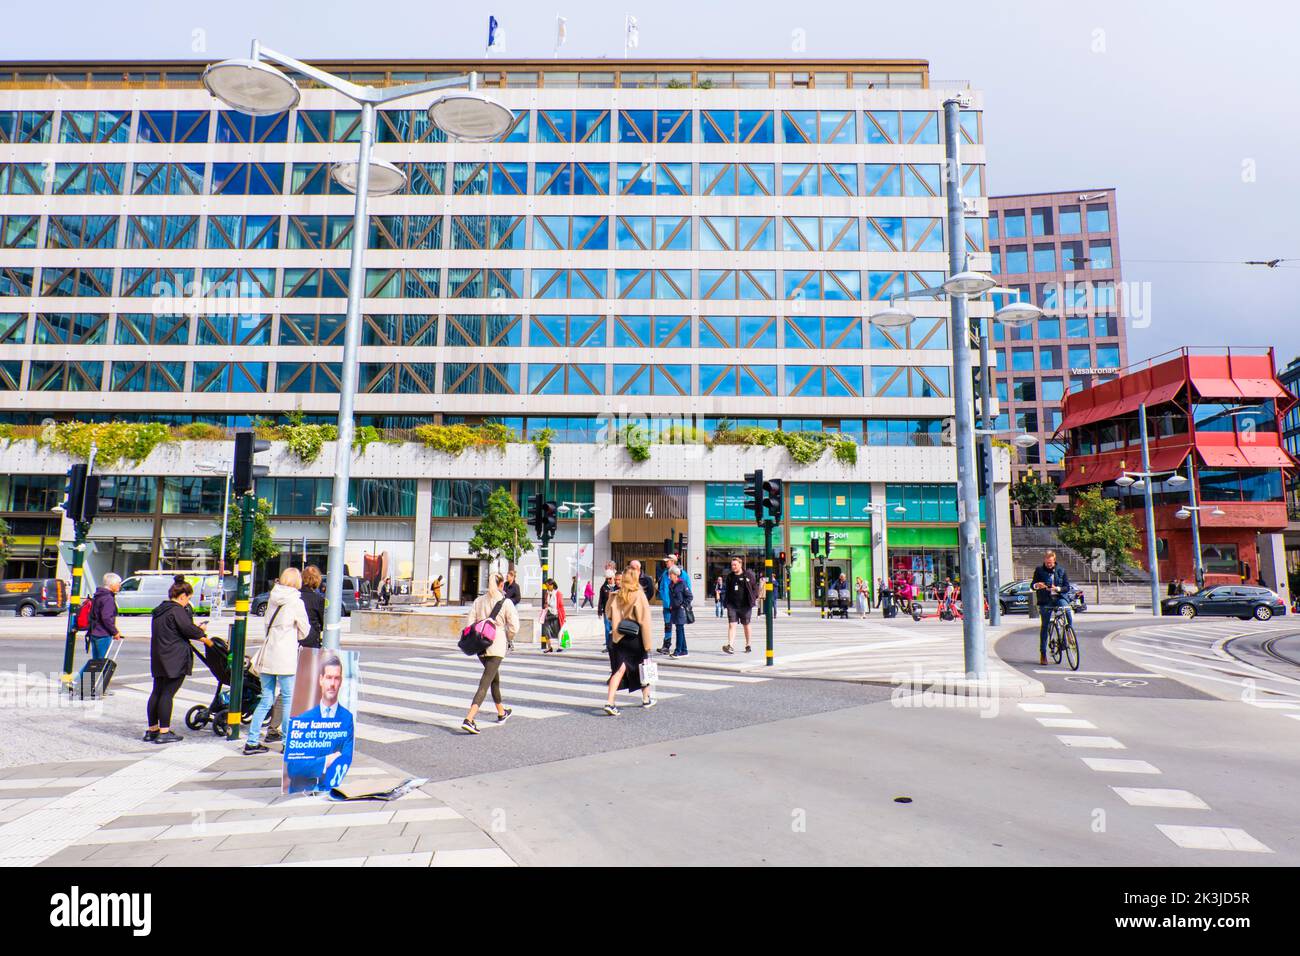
102	797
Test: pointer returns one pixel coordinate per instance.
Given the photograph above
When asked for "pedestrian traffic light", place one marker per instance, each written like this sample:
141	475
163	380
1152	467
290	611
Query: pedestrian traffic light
536	517
828	544
247	445
782	557
773	499
81	503
813	545
550	518
668	546
754	495
681	549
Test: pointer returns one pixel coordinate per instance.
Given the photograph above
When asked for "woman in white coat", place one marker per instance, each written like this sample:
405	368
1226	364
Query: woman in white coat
277	659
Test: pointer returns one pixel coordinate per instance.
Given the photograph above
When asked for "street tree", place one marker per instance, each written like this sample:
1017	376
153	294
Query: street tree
1100	533
264	546
502	532
1033	495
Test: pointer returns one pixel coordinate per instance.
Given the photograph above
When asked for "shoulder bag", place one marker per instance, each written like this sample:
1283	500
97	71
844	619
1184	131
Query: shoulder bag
478	637
255	664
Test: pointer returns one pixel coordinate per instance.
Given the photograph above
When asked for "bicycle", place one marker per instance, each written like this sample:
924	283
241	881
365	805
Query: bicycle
1061	638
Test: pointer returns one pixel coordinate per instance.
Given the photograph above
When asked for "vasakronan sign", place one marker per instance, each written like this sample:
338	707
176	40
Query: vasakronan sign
1094	371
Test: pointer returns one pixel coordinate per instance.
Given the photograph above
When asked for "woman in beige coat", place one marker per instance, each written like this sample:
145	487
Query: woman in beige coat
627	607
277	659
507	624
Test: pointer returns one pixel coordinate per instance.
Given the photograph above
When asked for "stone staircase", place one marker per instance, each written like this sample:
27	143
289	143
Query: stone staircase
1131	586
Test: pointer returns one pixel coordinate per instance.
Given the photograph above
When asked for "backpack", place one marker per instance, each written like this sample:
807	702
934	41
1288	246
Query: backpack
83	615
478	637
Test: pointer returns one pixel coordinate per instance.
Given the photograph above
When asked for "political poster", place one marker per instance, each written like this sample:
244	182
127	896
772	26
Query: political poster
322	722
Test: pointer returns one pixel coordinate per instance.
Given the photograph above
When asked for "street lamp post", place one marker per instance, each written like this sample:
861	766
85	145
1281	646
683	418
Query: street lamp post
252	86
958	286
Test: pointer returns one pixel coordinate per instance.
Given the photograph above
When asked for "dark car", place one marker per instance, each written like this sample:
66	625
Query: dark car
1226	600
356	595
28	597
1014	598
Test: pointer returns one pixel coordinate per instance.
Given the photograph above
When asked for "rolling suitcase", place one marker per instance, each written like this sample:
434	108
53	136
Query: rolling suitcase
97	674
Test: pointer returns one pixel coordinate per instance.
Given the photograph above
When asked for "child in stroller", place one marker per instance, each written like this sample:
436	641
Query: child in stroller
217	660
838	598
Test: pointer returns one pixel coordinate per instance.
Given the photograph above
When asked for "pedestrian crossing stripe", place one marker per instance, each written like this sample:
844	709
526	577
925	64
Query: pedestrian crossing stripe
435	691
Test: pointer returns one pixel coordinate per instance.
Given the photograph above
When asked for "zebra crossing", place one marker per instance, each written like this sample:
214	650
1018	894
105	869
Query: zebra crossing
1194	652
419	694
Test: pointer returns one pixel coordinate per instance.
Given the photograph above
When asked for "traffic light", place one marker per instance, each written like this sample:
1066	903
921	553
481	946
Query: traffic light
814	544
246	446
782	557
550	518
754	495
681	549
828	544
81	503
773	499
536	514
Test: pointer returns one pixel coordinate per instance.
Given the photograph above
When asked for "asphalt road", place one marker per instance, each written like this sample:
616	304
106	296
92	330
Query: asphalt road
1100	672
815	772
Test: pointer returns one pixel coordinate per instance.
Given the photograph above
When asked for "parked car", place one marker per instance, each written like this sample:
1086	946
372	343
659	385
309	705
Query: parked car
1226	600
28	597
356	595
141	593
1014	598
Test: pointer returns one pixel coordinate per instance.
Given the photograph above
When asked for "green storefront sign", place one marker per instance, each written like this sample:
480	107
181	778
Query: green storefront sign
850	554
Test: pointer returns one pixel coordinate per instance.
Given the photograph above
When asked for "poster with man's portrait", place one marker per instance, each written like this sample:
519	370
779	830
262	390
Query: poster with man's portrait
322	722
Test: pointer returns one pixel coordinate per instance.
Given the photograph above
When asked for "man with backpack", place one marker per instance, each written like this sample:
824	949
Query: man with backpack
739	594
98	617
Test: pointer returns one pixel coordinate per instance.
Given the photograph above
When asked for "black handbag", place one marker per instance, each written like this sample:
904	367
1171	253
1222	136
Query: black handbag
690	614
629	628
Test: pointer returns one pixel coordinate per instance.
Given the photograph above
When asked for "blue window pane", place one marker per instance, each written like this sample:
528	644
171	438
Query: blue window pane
1098	219
882	126
1044	258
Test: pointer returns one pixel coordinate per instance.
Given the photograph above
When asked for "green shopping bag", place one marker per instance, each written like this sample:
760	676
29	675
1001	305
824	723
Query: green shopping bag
564	638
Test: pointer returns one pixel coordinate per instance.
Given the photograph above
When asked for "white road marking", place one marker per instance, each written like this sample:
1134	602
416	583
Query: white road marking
1212	838
1067	723
1045	708
1155	797
1115	765
1101	743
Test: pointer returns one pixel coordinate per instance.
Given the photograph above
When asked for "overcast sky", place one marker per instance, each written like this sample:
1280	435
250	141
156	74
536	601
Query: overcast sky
1190	109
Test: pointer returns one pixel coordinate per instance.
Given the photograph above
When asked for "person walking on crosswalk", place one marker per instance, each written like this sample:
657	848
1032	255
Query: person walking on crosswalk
633	639
495	605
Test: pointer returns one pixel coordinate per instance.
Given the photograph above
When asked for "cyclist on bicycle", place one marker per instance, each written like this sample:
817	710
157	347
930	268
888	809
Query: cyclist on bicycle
1053	587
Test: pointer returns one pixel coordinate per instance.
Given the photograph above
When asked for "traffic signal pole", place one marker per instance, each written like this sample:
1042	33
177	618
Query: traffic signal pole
77	510
546	532
239	630
74	598
769	595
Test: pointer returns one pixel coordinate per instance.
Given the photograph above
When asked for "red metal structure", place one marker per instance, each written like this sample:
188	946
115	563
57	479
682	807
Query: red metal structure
1213	416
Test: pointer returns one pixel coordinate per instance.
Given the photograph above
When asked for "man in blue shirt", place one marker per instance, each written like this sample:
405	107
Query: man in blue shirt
1052	585
318	751
666	598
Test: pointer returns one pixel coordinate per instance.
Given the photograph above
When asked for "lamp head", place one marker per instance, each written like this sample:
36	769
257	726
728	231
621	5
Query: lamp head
470	116
891	317
385	178
968	283
1017	314
251	86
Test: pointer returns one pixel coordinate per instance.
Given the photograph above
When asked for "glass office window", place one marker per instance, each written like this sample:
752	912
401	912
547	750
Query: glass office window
1069	221
1099	255
1045	258
1053	389
1017	261
1014	224
1098	219
1042	221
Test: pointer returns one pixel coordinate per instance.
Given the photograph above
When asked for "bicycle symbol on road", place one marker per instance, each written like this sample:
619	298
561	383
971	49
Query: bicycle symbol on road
1108	681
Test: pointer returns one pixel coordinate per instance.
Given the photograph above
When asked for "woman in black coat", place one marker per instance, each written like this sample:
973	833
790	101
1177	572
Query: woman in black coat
314	602
170	659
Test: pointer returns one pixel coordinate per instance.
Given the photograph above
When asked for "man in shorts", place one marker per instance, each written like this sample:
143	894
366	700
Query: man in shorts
739	594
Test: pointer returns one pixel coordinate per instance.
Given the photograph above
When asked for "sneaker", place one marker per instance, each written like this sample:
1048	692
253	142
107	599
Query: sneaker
502	718
650	703
470	727
150	736
664	650
611	710
728	649
748	648
250	749
167	738
274	738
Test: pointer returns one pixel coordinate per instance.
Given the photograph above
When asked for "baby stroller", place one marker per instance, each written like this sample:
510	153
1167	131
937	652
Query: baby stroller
217	660
837	603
